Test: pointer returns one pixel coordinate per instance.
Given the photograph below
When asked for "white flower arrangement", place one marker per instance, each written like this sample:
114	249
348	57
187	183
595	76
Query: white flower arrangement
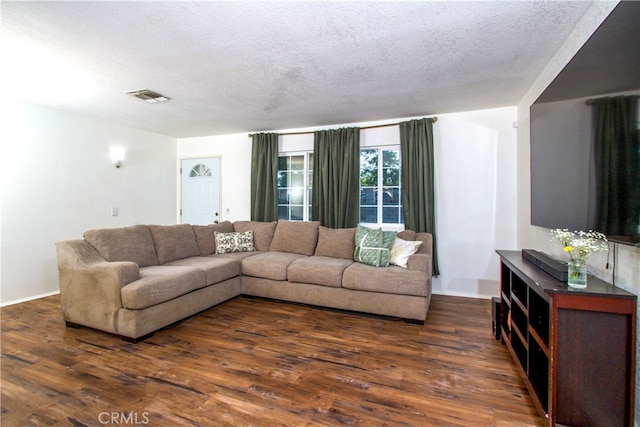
580	244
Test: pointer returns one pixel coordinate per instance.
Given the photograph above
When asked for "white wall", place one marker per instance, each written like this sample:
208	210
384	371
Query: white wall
476	209
475	156
58	181
626	271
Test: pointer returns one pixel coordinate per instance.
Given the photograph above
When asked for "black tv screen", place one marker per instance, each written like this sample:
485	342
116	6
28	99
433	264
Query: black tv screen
585	142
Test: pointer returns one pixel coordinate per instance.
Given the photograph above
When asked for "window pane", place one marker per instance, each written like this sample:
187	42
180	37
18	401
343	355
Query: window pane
391	176
296	196
368	196
282	179
282	163
369	215
391	158
296	213
391	196
368	177
297	179
283	198
369	159
297	163
391	215
283	212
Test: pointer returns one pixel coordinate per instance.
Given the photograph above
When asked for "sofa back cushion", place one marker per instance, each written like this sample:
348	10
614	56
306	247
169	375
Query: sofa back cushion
133	244
205	237
262	232
174	242
295	237
336	242
407	235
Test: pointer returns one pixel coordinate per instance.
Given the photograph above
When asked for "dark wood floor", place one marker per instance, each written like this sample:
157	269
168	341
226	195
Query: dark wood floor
255	362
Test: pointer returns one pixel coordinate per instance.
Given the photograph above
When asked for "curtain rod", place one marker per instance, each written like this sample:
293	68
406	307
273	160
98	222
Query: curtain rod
433	120
592	100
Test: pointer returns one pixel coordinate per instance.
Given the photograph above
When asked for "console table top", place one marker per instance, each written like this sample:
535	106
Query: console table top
542	281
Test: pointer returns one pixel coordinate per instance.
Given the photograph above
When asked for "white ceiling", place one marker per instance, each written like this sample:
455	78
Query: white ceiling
249	66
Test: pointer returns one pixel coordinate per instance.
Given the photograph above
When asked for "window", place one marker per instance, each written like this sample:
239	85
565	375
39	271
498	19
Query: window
380	190
199	170
294	186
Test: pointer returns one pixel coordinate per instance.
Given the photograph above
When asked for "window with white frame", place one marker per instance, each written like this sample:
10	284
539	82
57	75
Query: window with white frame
380	188
294	186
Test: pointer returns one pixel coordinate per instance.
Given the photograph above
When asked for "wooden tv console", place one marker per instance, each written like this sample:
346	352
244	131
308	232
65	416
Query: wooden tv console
575	348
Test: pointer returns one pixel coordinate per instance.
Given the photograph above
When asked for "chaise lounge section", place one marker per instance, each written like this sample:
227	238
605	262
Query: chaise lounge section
133	281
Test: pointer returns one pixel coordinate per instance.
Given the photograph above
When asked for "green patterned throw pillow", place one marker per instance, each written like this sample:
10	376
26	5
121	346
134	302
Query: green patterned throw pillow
373	246
234	242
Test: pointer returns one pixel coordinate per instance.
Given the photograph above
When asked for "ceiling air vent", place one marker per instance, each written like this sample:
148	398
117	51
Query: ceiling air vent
147	95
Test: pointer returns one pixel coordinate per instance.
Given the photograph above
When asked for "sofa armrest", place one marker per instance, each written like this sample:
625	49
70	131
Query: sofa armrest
426	248
90	286
420	262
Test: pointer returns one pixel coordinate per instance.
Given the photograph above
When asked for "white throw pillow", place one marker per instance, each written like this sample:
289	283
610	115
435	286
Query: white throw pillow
401	250
234	242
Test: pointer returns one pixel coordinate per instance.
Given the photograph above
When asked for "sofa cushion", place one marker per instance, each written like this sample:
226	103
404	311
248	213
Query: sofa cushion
318	270
205	238
133	244
402	250
234	242
298	237
239	256
174	242
262	232
160	283
407	235
390	280
269	265
336	242
216	269
373	246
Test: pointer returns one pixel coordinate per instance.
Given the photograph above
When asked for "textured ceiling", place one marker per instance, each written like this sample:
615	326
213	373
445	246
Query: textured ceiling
252	66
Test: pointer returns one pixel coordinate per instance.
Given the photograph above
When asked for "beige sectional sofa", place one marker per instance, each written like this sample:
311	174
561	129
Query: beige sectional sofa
133	281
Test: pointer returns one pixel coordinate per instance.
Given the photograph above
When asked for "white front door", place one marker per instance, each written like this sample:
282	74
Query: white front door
200	190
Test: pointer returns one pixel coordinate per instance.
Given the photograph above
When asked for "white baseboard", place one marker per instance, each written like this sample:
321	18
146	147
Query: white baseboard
17	301
461	294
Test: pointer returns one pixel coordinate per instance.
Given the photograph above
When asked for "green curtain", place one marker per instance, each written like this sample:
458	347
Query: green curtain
616	149
335	200
264	177
418	186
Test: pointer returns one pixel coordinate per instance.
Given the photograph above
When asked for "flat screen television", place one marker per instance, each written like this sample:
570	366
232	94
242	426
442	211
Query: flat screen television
583	177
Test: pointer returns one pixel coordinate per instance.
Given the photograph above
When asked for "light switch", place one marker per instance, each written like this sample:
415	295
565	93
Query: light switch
115	211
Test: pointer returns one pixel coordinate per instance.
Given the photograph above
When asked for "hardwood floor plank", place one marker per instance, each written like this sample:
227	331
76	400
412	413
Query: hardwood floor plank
256	362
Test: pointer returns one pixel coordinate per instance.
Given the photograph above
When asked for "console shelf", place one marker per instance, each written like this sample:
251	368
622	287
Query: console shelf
575	348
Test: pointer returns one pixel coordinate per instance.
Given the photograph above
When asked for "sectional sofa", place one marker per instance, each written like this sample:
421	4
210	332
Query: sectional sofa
133	281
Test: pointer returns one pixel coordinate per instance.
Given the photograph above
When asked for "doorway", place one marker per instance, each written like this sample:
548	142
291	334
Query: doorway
200	190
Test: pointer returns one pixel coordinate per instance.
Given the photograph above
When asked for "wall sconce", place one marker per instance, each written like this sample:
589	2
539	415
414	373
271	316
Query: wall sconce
117	156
